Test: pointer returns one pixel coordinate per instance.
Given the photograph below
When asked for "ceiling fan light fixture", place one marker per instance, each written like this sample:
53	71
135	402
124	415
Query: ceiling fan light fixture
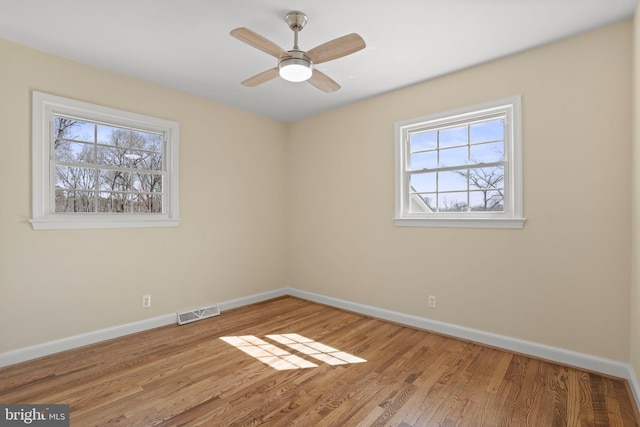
296	65
295	69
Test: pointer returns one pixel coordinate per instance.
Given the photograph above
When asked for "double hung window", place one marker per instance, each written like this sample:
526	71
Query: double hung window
461	168
96	167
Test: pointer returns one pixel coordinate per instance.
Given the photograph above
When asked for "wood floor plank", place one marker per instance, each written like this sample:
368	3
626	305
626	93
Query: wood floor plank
189	376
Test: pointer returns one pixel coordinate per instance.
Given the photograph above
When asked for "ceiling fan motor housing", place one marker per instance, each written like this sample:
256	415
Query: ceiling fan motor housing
296	68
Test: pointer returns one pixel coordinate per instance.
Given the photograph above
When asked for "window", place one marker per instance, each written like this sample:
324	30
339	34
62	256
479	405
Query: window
97	167
461	168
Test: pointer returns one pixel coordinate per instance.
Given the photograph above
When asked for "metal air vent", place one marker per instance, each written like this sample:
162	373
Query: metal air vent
201	313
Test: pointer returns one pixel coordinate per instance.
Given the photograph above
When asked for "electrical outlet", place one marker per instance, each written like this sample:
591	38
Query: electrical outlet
432	301
146	301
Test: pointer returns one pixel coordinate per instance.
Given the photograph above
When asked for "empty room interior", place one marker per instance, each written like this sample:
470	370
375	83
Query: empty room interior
294	211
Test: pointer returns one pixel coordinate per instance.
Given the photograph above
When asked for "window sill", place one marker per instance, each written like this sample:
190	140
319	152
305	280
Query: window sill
101	222
515	223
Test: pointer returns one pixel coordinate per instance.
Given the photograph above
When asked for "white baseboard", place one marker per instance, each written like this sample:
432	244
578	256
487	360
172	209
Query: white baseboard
252	299
634	384
555	354
51	347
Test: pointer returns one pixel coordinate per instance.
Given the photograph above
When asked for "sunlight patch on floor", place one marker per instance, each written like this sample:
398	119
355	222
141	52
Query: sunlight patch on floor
281	359
267	353
315	349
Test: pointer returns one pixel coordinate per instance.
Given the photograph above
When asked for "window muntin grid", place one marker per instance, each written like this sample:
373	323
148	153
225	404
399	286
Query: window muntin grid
105	168
459	167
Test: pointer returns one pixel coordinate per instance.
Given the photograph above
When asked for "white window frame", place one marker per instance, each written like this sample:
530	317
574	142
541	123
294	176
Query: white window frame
45	107
511	216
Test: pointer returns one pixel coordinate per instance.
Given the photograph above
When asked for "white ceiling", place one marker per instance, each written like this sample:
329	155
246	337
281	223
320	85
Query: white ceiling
185	44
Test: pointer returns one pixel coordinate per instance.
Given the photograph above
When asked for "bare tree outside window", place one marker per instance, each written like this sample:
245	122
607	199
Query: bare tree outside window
106	169
489	182
460	168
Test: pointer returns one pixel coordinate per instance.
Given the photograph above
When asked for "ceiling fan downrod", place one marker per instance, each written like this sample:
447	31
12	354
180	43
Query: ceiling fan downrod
296	21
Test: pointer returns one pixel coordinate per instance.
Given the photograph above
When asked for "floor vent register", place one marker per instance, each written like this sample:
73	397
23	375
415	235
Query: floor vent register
199	314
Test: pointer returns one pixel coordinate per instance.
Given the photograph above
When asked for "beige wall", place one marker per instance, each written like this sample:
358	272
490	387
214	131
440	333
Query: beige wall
635	253
230	244
310	205
563	280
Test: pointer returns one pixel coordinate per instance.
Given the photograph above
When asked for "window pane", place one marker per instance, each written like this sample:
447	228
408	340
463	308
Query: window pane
111	156
452	180
147	183
146	141
453	136
62	200
487	153
488	200
156	203
152	161
74	152
133	159
452	202
486	178
423	141
111	202
74	201
112	180
77	130
454	157
112	135
76	178
423	182
147	203
487	131
421	203
136	159
152	142
424	160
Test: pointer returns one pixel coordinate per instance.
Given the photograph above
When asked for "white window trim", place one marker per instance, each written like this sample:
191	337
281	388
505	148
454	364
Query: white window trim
512	215
44	107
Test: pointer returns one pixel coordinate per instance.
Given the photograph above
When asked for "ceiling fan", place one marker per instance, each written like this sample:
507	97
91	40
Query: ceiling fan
297	65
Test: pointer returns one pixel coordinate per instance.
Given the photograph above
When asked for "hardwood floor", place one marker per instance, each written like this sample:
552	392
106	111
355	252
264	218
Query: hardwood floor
188	376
